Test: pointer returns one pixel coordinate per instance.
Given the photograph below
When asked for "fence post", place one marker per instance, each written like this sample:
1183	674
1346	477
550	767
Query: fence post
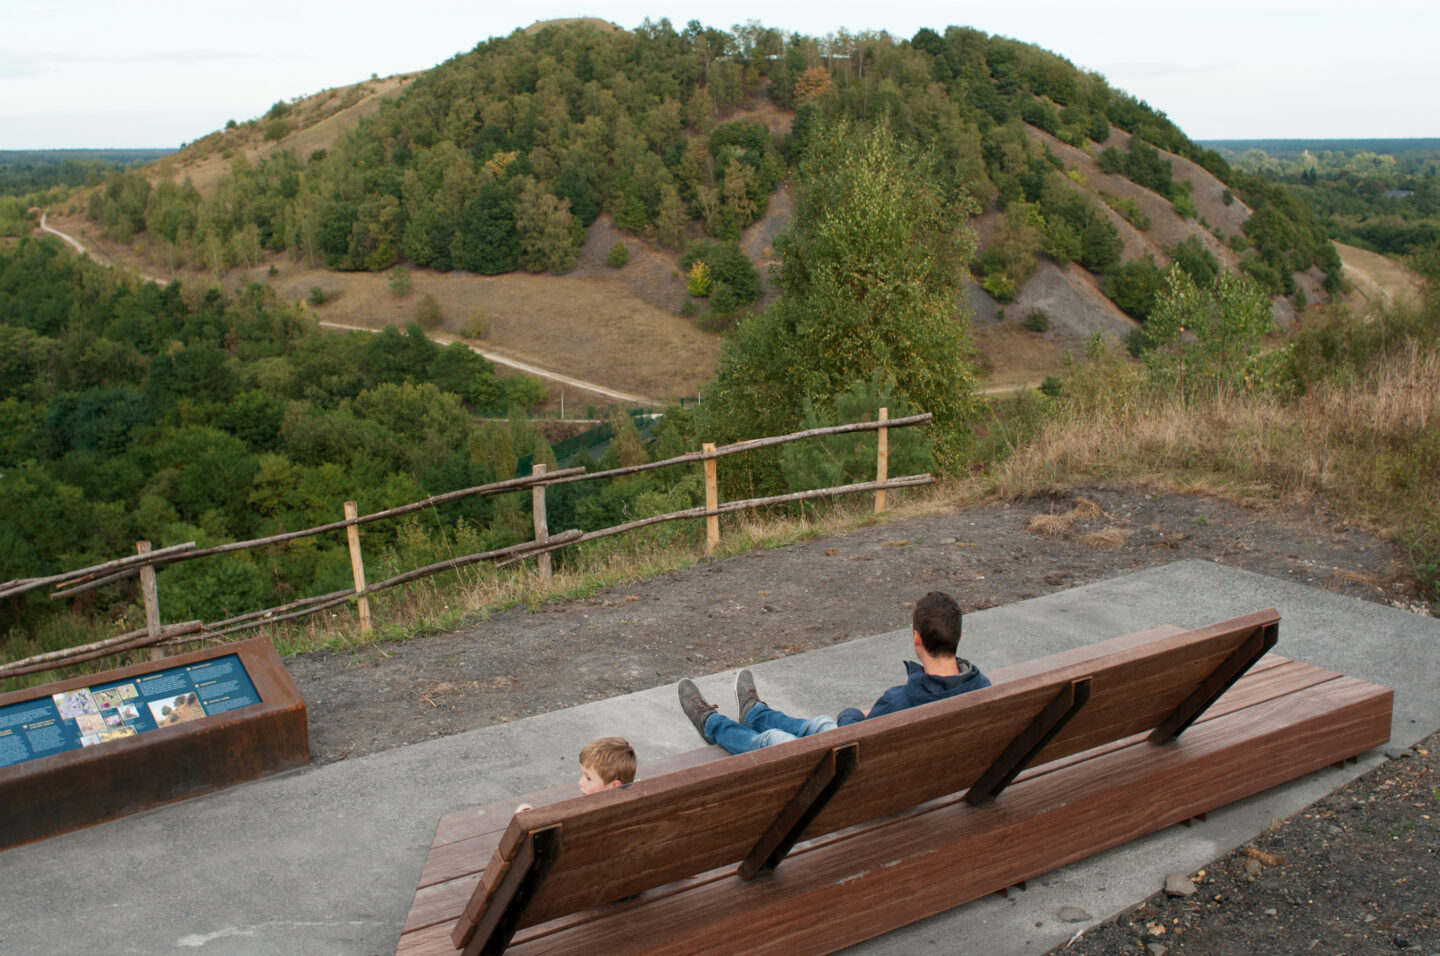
357	565
542	529
712	500
152	601
882	460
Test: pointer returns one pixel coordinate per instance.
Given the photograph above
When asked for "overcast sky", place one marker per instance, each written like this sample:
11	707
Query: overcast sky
93	74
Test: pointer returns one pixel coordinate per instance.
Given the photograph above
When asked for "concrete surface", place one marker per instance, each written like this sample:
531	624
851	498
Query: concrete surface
325	860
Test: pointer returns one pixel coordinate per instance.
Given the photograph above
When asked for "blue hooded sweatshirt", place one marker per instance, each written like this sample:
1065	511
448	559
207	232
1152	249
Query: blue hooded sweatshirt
919	688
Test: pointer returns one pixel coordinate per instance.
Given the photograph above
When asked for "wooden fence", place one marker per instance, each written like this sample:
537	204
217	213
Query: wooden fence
145	561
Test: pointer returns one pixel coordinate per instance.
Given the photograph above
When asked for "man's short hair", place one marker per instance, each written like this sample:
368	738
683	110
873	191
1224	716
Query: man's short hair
937	619
612	758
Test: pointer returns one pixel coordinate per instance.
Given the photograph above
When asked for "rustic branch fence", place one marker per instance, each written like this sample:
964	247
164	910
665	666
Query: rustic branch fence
146	561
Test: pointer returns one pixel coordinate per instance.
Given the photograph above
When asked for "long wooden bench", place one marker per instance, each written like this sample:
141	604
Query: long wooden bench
825	841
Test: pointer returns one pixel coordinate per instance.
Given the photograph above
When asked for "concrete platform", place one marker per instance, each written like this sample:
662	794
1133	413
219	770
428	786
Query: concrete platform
325	860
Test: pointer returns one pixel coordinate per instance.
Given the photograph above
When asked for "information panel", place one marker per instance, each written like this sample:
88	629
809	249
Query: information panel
93	716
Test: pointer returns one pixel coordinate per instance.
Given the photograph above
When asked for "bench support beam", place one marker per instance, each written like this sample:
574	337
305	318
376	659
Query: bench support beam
1227	672
823	783
491	934
1024	748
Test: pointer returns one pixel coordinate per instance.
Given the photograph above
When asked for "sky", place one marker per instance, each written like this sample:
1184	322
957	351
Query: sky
93	74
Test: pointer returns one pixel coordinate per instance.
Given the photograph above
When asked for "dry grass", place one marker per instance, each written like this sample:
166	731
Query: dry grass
1379	280
1050	525
1363	447
1012	356
591	329
1108	538
317	120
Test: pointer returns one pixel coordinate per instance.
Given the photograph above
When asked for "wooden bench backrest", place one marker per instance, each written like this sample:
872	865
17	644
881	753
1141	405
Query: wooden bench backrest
615	844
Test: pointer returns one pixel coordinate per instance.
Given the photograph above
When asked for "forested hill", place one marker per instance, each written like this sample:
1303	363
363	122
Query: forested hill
500	158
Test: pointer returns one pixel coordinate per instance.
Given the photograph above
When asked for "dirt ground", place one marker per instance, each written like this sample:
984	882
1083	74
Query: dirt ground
1362	863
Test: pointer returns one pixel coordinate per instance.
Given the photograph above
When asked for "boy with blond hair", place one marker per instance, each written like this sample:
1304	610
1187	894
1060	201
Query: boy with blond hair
606	763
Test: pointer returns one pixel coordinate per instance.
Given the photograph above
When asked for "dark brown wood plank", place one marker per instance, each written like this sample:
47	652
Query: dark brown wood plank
1022	750
824	781
1226	673
440	902
489	929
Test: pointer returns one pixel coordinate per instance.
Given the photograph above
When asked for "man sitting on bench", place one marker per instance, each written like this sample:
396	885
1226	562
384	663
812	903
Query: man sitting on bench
940	674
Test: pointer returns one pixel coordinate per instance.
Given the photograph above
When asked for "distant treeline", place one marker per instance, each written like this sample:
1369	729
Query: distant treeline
1380	194
1232	149
26	171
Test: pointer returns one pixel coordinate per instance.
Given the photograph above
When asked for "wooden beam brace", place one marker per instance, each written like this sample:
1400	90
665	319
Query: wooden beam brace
1062	707
823	783
491	932
1227	672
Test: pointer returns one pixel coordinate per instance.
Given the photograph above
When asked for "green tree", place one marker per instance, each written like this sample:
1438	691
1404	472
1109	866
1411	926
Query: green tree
871	279
619	255
544	224
670	220
400	282
698	283
851	457
1198	339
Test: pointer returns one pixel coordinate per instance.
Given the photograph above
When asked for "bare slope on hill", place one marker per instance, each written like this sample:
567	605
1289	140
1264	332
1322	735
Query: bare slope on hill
316	122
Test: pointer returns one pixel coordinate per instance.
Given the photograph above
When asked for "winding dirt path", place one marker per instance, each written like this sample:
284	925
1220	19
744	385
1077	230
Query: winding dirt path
441	338
516	364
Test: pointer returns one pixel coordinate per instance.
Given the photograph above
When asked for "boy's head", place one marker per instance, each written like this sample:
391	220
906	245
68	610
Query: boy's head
937	621
606	763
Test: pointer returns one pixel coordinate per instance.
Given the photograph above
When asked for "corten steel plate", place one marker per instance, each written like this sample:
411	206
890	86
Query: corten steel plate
54	794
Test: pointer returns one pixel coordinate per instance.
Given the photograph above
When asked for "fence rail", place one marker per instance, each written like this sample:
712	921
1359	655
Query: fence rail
144	563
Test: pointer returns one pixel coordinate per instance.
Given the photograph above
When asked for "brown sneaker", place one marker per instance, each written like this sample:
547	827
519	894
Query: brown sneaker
745	693
696	707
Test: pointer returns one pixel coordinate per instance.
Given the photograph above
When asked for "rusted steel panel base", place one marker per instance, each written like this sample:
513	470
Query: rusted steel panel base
54	794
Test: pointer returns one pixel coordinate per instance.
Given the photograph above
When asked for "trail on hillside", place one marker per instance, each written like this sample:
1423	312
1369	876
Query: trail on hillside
516	364
439	337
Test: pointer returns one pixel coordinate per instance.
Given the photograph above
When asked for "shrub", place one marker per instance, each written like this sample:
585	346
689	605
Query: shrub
1000	287
1228	198
400	282
619	255
428	314
277	129
722	298
1184	207
725	262
1037	321
317	295
698	284
688	307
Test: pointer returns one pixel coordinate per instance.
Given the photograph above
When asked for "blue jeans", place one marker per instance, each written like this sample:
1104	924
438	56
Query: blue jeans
763	727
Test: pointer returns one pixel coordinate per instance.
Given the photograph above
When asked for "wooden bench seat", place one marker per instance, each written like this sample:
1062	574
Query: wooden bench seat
918	815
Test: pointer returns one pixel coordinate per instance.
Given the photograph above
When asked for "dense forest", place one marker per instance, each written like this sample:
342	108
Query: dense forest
130	411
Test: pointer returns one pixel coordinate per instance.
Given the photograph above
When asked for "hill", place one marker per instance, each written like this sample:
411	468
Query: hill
531	151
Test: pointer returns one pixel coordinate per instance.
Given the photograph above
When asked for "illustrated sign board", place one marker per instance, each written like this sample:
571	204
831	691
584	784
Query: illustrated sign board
89	749
116	709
